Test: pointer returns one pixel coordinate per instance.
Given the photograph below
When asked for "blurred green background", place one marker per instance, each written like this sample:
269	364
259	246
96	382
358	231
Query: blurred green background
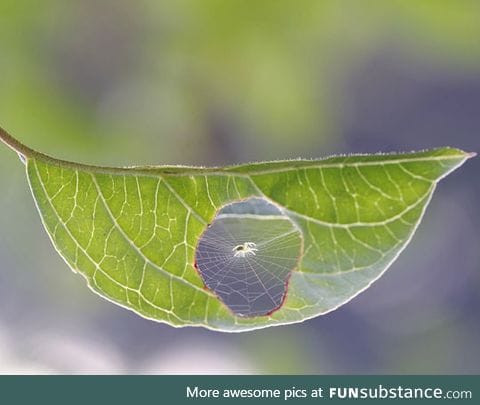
117	82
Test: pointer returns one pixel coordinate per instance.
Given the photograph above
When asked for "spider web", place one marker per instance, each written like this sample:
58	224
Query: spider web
253	284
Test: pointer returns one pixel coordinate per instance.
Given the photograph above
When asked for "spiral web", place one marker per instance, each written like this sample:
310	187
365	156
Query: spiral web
247	254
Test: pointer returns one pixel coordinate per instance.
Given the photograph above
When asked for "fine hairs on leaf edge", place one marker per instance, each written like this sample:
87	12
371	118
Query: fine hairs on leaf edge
27	153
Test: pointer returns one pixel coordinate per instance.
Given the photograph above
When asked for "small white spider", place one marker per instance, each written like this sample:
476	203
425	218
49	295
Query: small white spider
248	248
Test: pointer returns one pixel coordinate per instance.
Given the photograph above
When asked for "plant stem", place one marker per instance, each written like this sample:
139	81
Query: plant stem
15	145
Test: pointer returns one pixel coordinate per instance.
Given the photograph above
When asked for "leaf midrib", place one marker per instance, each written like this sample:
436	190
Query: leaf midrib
163	170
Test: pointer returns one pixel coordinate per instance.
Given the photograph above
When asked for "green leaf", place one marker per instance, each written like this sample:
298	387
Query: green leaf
235	248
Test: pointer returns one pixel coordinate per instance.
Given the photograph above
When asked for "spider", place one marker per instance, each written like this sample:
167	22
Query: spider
248	248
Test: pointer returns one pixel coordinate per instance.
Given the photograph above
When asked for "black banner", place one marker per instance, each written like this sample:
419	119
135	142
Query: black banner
239	389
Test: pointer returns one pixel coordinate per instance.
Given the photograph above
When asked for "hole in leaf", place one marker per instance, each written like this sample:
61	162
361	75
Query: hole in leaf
247	254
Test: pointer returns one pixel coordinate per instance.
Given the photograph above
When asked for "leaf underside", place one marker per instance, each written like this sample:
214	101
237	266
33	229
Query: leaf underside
133	233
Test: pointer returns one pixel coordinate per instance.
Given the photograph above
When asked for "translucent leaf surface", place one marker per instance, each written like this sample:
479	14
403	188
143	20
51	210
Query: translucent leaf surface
235	248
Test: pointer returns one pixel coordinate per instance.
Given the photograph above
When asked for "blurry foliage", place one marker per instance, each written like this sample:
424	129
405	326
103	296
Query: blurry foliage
217	81
208	81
